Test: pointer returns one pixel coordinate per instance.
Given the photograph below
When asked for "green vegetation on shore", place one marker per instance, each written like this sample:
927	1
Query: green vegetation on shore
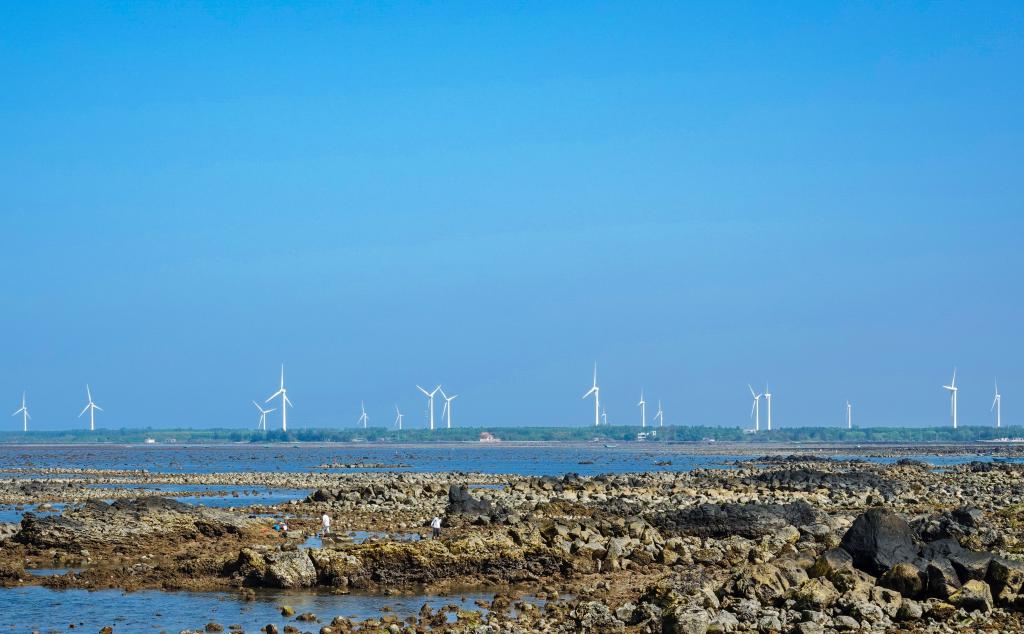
565	434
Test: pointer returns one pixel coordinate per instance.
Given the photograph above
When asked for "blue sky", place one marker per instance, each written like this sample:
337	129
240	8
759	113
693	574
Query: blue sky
826	196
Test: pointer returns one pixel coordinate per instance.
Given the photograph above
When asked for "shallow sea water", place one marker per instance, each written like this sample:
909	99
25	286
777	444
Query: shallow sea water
32	608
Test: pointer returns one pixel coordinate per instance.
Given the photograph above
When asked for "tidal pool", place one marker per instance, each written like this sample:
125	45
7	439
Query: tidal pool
32	608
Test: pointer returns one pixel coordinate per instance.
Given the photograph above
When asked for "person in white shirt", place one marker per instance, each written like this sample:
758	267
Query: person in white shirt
325	521
435	524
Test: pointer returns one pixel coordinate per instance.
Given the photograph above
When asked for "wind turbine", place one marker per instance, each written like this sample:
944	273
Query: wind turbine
24	413
91	408
446	411
363	418
262	425
604	417
398	418
755	411
952	396
643	409
997	405
430	399
596	391
768	402
285	402
849	415
660	416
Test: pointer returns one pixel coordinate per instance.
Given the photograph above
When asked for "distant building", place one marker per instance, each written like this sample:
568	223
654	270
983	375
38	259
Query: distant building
150	441
486	436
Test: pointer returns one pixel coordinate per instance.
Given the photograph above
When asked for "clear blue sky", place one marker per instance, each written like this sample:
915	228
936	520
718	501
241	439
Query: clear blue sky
492	196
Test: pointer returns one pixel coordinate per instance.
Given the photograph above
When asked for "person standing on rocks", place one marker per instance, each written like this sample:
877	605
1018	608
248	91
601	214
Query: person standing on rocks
435	525
325	521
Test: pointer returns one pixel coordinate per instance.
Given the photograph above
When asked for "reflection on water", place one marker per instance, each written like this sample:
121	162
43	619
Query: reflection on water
51	572
152	611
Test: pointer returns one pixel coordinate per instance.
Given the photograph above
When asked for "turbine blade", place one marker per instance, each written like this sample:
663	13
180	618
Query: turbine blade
425	393
751	390
95	406
273	396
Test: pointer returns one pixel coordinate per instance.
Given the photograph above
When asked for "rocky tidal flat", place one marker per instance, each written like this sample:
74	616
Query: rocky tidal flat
774	544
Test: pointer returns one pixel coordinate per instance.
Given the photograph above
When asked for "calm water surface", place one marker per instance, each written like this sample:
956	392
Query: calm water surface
526	460
49	610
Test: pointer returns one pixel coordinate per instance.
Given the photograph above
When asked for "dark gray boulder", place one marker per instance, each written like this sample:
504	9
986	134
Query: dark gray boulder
746	520
878	540
460	502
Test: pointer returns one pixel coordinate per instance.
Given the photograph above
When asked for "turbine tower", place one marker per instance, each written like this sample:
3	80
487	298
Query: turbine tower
997	405
952	396
596	391
643	409
398	418
446	411
91	408
24	413
660	416
430	401
768	402
849	415
363	418
285	401
755	410
262	425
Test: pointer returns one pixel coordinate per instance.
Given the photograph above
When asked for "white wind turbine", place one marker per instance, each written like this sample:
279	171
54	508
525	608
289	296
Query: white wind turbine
91	408
285	401
849	415
430	402
660	416
596	391
398	418
768	402
24	413
643	409
446	411
604	417
262	425
755	410
997	405
363	418
952	395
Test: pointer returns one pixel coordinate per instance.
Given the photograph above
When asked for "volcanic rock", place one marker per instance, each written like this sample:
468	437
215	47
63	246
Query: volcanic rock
750	520
878	540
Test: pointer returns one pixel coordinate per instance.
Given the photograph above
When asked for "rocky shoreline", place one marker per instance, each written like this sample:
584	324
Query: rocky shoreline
777	544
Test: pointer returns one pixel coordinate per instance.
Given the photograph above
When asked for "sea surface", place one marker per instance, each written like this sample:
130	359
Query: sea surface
35	608
536	460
